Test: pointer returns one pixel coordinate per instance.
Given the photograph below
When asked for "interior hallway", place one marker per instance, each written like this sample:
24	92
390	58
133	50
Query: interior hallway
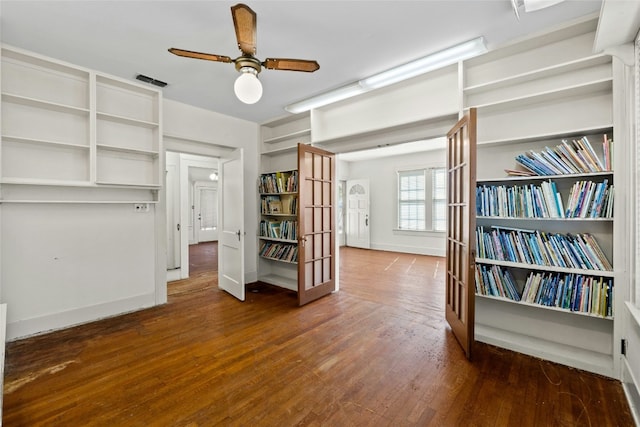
377	353
203	269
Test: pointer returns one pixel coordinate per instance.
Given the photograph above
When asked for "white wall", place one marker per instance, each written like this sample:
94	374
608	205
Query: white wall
382	176
69	263
65	264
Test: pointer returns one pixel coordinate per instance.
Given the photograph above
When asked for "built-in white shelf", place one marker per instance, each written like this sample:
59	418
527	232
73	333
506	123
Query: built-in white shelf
127	120
279	214
140	185
537	74
517	218
127	150
79	202
280	260
546	268
68	126
545	177
577	357
604	85
39	103
281	281
279	151
45	182
535	137
273	239
292	135
25	140
544	307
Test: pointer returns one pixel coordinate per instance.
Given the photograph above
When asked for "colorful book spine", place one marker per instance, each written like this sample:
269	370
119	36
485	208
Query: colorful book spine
577	156
580	251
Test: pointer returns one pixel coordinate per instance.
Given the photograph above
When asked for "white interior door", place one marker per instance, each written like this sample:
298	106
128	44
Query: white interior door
358	213
206	212
342	213
231	237
173	216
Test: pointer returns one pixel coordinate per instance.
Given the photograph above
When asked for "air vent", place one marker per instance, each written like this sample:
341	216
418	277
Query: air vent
150	80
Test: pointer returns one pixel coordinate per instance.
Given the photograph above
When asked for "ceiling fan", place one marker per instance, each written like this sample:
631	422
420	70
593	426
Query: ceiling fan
247	87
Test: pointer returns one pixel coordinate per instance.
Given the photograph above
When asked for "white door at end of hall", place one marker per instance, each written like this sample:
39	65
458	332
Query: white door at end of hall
206	212
231	235
358	213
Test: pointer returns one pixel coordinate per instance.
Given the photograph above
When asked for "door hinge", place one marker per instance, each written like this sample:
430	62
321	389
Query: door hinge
623	347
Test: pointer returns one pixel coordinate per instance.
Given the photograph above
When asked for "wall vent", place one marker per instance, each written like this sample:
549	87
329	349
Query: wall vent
150	80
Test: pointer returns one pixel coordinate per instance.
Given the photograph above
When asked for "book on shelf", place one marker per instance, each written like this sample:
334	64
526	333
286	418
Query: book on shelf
568	291
496	281
287	230
586	199
278	182
573	292
569	157
279	251
275	207
579	251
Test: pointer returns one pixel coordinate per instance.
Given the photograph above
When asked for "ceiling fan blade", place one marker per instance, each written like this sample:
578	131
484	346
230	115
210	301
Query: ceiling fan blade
200	55
244	21
291	64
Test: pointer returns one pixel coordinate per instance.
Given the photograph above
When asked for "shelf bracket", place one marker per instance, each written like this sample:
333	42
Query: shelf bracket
623	52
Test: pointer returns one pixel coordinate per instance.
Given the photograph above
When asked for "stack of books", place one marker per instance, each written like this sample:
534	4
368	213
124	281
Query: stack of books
569	157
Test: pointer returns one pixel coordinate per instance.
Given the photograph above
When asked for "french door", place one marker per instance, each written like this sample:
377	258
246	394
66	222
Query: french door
461	203
316	223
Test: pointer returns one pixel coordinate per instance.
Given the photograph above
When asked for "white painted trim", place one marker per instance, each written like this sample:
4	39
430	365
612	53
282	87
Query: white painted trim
173	275
51	322
634	312
3	340
630	387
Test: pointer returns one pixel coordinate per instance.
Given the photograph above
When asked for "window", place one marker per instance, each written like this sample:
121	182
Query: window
439	199
422	199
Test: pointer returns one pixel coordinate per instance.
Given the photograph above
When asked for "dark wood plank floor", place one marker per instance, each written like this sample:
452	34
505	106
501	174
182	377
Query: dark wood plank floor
377	353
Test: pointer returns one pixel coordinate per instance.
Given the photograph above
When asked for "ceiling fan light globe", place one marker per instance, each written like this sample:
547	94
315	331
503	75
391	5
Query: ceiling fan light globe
248	88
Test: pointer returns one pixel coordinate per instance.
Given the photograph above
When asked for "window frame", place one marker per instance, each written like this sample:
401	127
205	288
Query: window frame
428	173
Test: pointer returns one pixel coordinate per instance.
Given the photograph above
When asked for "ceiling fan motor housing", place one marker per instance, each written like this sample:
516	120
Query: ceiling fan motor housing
247	61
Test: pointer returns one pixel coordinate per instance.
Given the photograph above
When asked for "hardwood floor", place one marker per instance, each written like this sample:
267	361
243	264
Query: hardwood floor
377	353
203	261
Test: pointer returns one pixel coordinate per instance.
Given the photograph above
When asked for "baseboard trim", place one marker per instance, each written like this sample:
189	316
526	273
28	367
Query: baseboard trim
630	386
40	325
173	275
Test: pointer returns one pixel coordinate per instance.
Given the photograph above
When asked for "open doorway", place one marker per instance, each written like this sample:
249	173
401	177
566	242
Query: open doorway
192	215
374	206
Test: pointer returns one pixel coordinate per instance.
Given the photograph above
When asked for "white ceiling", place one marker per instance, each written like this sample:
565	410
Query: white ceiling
350	40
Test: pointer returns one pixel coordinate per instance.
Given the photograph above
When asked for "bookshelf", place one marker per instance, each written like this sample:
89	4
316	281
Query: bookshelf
546	244
549	263
278	228
282	136
66	126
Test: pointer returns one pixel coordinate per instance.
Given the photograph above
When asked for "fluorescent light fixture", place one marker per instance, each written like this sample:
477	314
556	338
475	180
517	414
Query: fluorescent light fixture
325	98
428	63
